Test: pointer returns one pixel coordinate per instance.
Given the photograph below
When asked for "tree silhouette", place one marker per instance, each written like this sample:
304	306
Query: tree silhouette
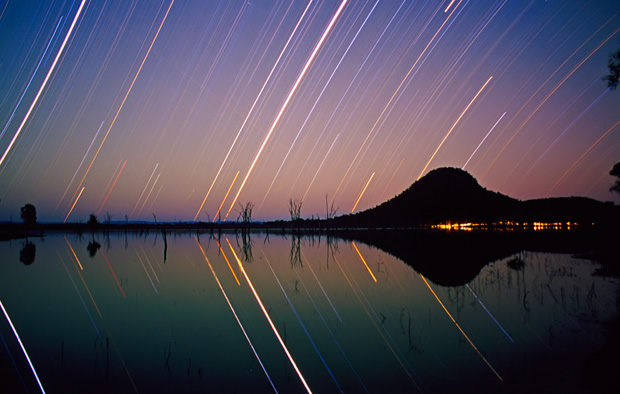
615	171
294	209
92	220
614	70
29	214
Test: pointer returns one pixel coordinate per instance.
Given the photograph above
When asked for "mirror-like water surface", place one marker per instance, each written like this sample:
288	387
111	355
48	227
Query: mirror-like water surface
200	314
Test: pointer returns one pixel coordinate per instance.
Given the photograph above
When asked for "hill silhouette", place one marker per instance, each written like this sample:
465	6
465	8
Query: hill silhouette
453	195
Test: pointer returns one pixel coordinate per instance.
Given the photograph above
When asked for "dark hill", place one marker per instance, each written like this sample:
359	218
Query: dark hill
453	195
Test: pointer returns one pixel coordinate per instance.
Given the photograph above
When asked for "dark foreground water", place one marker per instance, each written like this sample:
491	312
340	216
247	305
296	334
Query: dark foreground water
274	314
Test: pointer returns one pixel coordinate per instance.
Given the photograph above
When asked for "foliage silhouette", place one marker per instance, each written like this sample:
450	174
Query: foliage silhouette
92	220
614	70
29	214
615	171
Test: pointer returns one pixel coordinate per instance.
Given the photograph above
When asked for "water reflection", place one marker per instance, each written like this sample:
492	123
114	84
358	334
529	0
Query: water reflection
237	312
28	253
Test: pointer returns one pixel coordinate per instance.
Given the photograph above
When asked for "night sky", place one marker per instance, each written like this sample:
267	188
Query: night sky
177	108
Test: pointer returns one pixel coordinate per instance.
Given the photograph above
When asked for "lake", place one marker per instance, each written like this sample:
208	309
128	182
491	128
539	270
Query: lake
270	313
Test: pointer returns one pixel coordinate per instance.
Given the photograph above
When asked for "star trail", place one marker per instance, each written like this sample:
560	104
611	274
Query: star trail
137	109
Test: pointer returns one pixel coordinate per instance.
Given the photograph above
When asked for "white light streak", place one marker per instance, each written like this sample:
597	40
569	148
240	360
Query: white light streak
288	99
47	77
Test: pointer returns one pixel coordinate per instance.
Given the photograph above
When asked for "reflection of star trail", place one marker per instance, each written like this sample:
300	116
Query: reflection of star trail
492	317
247	338
273	327
460	329
228	262
22	346
364	261
288	99
302	324
79	295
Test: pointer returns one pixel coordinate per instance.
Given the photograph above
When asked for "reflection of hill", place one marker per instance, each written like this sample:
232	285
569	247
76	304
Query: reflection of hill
455	258
453	195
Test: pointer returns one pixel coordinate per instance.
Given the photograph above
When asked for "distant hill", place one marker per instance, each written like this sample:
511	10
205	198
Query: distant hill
453	195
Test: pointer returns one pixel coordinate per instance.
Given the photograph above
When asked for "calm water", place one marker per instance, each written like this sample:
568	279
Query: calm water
261	316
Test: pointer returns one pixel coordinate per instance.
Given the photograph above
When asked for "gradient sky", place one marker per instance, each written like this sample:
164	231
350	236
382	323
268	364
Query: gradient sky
153	106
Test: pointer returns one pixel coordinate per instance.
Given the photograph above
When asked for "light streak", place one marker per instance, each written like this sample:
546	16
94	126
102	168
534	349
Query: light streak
148	195
224	200
252	107
449	5
301	322
481	142
288	99
73	206
544	100
374	323
582	156
321	287
22	346
319	98
453	126
364	261
79	165
82	278
228	262
362	193
47	77
113	273
234	313
460	329
79	295
273	327
143	190
111	188
564	131
31	78
319	169
147	273
73	251
492	317
126	95
396	93
326	326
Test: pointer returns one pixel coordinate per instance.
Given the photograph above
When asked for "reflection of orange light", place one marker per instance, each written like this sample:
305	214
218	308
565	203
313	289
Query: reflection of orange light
273	327
113	274
226	258
364	261
234	313
82	278
460	329
74	255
